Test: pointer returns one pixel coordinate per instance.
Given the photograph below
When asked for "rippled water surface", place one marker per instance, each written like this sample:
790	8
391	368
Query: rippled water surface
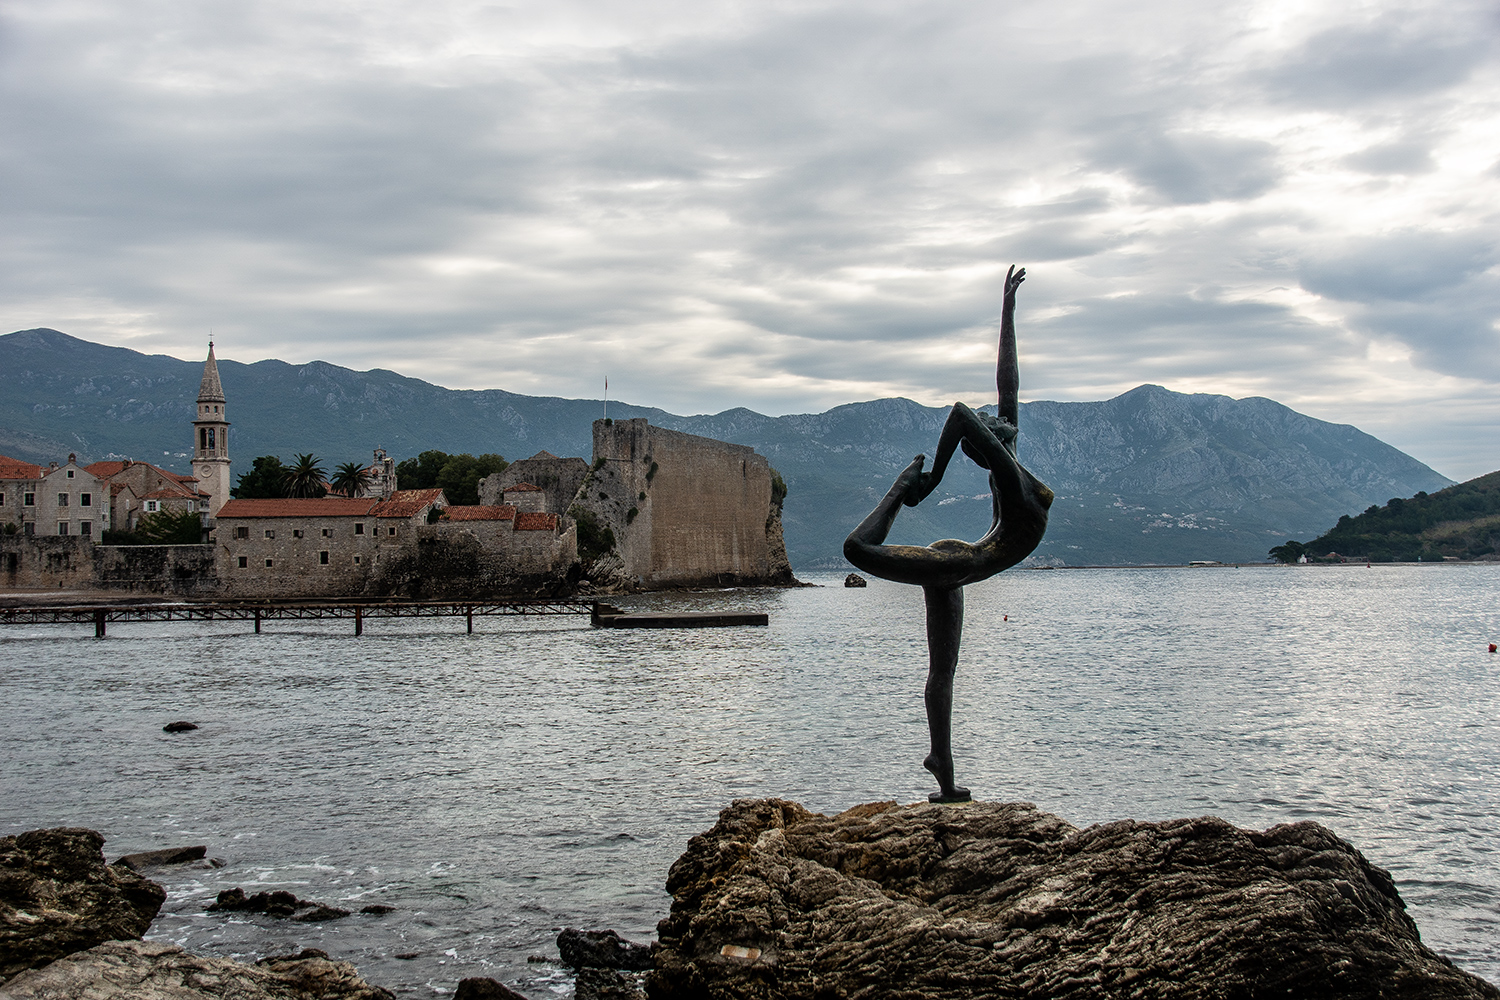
541	774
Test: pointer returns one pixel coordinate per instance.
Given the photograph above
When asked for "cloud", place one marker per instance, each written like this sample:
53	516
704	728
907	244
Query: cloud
778	206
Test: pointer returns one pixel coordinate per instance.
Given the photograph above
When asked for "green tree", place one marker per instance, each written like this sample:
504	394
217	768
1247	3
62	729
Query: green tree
350	478
457	475
266	480
170	527
1289	552
304	478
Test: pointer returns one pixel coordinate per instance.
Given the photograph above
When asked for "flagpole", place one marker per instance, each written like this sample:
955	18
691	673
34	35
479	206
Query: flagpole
606	397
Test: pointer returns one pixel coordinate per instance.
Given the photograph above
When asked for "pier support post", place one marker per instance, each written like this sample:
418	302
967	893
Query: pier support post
470	616
98	623
359	621
257	621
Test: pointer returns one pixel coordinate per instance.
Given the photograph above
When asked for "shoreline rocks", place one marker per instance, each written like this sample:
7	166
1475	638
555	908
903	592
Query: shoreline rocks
160	859
57	896
151	970
1002	900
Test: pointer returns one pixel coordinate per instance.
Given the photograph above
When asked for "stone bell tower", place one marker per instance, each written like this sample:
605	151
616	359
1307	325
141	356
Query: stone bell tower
211	438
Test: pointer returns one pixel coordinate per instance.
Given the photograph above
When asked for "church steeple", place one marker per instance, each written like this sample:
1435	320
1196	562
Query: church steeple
211	437
210	390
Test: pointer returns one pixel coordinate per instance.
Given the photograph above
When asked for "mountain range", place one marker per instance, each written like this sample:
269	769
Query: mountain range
1151	476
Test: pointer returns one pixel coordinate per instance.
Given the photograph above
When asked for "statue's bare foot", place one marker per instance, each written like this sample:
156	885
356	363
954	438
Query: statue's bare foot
913	484
942	770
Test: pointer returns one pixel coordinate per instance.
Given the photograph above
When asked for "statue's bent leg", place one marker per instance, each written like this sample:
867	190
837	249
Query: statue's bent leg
945	624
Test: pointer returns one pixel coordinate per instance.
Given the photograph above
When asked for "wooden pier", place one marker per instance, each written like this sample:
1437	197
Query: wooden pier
258	612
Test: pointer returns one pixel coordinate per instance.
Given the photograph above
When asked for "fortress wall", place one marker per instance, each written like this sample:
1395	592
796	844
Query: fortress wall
48	562
558	478
182	570
707	504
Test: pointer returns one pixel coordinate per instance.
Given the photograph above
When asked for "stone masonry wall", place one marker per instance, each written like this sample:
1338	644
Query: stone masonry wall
49	562
558	478
686	510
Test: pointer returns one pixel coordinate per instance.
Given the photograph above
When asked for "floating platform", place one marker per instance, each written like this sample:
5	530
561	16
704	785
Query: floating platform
606	616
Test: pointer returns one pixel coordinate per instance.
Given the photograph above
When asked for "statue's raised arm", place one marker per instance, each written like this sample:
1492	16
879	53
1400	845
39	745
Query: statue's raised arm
1020	503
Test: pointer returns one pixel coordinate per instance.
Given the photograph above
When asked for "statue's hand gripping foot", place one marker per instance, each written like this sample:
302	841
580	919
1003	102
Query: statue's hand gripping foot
942	770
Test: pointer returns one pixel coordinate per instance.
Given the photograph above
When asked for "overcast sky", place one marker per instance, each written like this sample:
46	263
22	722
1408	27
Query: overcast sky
784	206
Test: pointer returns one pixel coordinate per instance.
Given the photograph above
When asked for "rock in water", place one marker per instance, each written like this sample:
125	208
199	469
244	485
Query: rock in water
162	858
855	580
485	988
179	727
58	896
150	970
601	950
1001	900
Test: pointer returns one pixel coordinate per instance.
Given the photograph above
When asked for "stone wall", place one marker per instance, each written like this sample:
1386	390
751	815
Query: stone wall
558	478
46	562
685	510
72	563
181	570
482	558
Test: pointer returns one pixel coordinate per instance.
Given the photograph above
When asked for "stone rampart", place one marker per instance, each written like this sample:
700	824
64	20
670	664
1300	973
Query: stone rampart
181	570
557	478
52	562
685	510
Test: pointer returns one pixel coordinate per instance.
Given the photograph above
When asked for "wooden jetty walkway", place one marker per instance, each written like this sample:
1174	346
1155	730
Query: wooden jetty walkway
600	615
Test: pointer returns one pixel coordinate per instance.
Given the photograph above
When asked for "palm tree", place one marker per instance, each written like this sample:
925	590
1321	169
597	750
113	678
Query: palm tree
304	478
351	478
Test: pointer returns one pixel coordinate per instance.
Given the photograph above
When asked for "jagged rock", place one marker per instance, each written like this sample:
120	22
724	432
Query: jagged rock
278	904
150	970
319	913
601	950
379	909
58	896
178	727
485	988
1001	900
855	580
162	858
608	984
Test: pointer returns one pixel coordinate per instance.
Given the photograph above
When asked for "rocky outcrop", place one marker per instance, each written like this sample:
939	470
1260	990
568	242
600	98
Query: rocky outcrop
601	950
1001	900
58	896
149	970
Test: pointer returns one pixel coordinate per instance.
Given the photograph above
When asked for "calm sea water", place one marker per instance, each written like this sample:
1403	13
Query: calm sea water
540	774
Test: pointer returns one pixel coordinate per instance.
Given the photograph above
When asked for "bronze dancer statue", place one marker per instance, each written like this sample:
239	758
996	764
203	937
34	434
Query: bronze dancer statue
1020	503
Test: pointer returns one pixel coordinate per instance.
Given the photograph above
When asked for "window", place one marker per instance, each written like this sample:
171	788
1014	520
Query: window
85	499
28	499
86	528
270	534
356	560
30	528
269	563
323	558
243	531
296	532
390	530
152	506
359	527
62	527
62	499
244	562
2	499
327	532
70	473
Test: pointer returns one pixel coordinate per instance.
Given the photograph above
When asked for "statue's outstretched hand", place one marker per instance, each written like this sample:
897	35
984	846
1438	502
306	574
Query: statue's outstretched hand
1013	279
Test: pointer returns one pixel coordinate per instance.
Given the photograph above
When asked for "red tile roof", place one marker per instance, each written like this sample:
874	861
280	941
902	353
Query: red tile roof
14	468
299	507
496	512
523	488
531	520
426	496
104	470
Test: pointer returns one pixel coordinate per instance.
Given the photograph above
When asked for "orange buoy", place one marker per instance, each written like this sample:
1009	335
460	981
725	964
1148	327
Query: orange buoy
1007	618
1492	647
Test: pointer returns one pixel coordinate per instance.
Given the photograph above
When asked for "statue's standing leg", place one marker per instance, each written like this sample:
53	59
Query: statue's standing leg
945	626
